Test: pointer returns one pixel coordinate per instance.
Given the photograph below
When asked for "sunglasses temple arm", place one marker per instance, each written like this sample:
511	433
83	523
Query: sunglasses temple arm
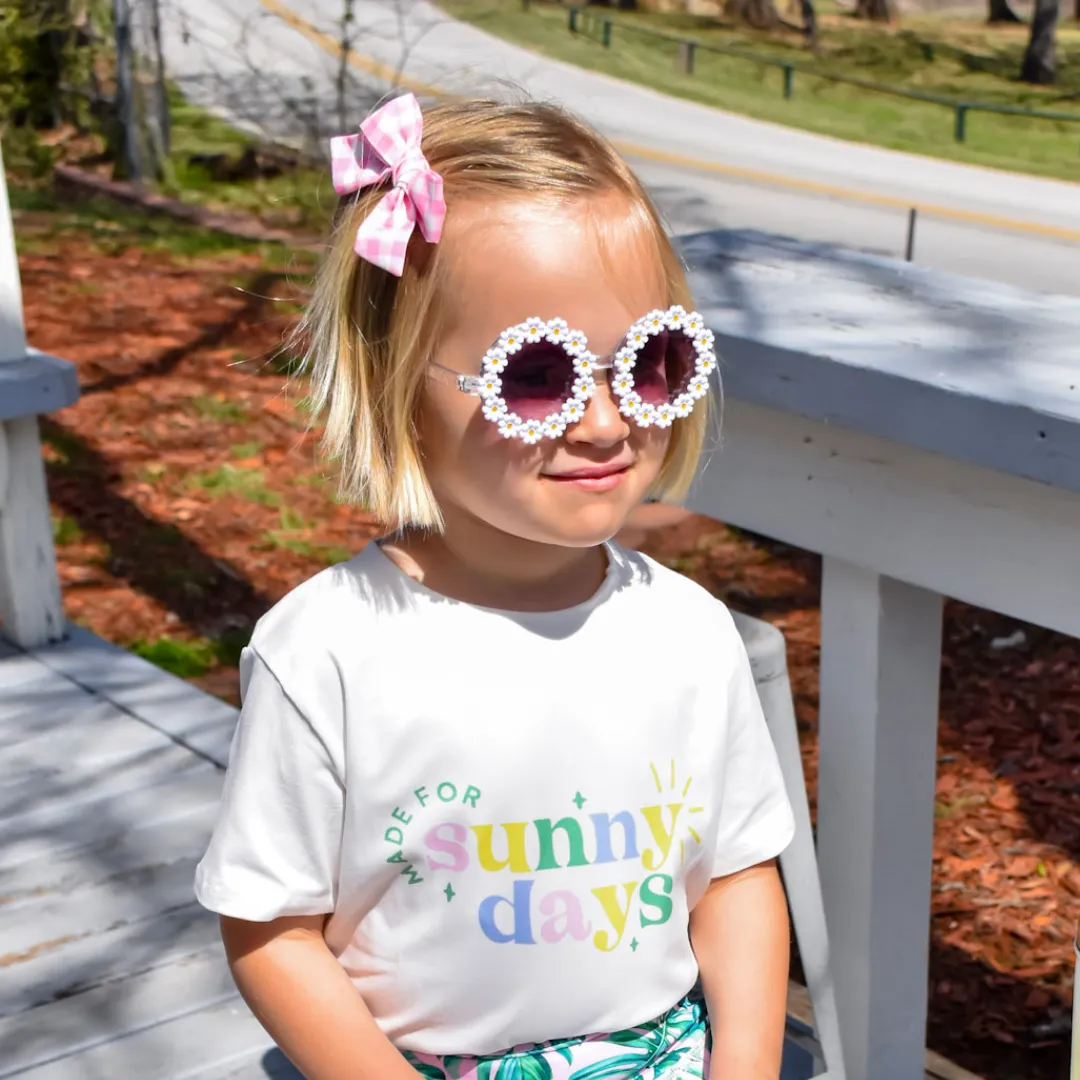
467	384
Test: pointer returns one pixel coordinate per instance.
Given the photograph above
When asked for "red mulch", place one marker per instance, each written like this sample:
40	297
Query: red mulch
164	346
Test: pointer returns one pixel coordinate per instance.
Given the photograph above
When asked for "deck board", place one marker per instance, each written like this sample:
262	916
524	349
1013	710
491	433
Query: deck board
188	1045
118	851
110	775
50	831
119	1009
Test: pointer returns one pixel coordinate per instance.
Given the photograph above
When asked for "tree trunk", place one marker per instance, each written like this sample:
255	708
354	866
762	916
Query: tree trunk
129	162
161	91
45	60
342	80
1000	12
1039	61
875	10
809	22
760	14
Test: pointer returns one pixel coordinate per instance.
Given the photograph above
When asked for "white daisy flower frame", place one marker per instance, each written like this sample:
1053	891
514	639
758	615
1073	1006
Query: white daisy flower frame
497	366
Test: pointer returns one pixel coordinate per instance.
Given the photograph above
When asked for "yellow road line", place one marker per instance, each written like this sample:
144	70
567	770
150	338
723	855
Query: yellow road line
367	64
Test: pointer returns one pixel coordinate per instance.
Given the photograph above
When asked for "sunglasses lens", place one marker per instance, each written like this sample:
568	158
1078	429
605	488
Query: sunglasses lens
664	367
537	380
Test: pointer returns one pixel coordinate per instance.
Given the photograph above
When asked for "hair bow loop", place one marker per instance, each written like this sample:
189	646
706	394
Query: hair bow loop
387	147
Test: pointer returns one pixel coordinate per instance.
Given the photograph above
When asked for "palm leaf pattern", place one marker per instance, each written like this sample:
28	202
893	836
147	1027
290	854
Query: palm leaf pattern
673	1047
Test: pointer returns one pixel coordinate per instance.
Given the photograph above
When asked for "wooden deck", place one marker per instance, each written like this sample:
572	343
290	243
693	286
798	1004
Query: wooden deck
110	773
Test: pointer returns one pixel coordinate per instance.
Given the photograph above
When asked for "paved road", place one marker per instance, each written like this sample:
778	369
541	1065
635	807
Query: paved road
242	56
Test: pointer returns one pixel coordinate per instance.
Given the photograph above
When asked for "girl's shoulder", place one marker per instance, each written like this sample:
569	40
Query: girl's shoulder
663	591
340	603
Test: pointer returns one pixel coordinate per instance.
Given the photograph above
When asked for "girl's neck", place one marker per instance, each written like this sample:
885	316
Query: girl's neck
477	564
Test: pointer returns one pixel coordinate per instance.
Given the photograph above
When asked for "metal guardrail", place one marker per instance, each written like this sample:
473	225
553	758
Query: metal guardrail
582	20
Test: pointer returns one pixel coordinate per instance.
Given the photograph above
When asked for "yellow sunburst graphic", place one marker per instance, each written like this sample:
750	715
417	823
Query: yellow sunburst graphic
673	785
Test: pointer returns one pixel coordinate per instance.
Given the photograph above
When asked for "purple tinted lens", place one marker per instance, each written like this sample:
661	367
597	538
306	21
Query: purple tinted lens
537	380
664	367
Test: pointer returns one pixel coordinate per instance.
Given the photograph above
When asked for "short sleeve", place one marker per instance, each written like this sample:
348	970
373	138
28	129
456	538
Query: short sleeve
756	822
275	848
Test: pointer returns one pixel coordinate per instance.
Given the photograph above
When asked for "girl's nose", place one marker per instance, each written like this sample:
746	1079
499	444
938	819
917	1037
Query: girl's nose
602	424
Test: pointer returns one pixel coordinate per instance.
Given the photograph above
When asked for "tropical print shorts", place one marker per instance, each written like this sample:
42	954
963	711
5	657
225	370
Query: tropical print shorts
673	1047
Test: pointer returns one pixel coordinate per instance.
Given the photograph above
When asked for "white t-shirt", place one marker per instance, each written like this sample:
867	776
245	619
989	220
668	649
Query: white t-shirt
509	815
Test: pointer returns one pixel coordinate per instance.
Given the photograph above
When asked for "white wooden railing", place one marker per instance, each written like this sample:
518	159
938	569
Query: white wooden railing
922	432
31	383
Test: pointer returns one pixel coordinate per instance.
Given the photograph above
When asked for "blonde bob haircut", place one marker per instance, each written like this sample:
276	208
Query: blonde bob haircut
367	336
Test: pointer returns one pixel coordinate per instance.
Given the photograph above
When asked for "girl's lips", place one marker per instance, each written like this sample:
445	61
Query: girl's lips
600	478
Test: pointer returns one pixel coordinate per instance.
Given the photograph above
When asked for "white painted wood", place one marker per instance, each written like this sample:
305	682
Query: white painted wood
266	1065
104	739
29	687
12	332
972	370
31	610
159	699
86	794
767	651
118	851
125	899
186	784
61	968
114	1011
998	541
37	385
184	1048
5	467
880	661
937	1067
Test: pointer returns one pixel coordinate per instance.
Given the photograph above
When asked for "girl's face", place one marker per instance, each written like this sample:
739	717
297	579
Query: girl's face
506	263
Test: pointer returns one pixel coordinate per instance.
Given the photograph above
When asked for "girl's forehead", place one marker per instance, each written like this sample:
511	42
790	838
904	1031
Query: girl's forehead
589	262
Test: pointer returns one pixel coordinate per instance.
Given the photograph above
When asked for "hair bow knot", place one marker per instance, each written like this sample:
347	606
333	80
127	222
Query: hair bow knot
387	147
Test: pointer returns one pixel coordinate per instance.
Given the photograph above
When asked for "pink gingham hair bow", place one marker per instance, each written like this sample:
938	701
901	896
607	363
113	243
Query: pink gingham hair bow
388	146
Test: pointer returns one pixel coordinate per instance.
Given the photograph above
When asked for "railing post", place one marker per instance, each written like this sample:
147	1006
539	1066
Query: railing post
605	33
573	11
684	62
961	123
31	609
789	75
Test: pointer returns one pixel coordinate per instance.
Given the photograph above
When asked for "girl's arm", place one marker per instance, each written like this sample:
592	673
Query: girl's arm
739	932
300	993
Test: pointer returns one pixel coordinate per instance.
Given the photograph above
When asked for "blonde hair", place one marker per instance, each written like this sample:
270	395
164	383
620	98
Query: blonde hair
367	335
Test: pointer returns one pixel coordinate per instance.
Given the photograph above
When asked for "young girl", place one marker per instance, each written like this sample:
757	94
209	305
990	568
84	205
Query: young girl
501	796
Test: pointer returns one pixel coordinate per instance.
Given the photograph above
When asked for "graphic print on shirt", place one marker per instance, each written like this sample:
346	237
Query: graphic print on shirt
644	846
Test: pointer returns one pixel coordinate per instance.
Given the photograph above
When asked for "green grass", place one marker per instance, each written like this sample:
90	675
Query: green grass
247	484
299	201
65	530
245	450
300	197
969	62
190	659
218	407
290	537
69	453
950	808
42	219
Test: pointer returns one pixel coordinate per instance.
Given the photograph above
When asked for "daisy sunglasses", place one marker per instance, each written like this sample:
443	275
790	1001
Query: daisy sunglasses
538	377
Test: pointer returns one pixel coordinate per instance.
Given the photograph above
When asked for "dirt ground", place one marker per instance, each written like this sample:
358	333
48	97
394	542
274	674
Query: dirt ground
188	498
